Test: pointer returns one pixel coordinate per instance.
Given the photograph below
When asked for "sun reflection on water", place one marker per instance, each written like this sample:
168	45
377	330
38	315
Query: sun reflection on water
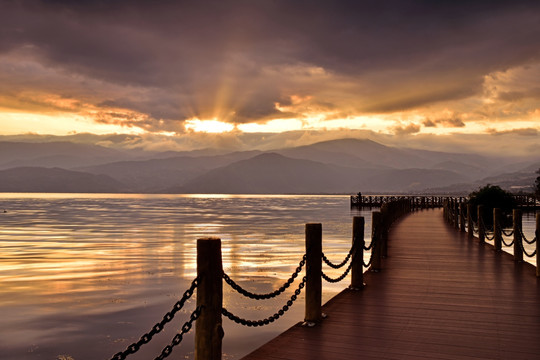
87	274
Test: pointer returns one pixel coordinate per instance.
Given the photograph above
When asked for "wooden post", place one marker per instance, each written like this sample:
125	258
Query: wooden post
313	274
208	327
518	252
537	233
387	217
462	217
456	214
481	230
470	224
376	223
497	234
357	268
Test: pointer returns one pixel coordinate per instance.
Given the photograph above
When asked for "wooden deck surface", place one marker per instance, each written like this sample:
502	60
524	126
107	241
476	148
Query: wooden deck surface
439	296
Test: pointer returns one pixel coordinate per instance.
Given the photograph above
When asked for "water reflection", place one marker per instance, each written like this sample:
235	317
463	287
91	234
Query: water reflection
83	276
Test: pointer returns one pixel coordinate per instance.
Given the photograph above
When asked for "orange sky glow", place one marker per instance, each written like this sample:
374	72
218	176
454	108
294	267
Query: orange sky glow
141	73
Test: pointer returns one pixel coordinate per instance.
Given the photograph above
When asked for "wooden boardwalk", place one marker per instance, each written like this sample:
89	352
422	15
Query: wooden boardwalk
439	296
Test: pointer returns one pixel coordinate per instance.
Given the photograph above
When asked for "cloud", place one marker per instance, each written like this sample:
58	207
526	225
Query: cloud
168	61
448	122
409	129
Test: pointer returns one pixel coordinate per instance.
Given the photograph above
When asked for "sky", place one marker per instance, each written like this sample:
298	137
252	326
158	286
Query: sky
179	75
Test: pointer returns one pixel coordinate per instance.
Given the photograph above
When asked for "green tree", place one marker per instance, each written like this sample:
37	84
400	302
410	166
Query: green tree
491	196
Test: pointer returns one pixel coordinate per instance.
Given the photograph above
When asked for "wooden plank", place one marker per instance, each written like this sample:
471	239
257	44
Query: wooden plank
439	296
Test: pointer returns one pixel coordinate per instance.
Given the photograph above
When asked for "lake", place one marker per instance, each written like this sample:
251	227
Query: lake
85	275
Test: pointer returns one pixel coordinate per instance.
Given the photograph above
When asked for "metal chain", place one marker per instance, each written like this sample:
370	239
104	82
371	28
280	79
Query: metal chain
145	339
341	264
507	234
505	243
523	248
271	295
367	248
270	319
524	238
180	336
486	229
369	262
336	280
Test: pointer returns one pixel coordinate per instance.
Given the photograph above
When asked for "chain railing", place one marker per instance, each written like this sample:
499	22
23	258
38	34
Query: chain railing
209	310
272	294
180	336
339	278
511	243
486	230
269	319
530	242
157	328
510	233
497	234
341	264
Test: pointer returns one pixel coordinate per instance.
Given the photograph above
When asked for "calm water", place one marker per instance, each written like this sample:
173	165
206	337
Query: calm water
83	276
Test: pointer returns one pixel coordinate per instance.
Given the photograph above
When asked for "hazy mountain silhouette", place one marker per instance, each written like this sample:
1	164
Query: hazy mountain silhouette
273	173
158	174
55	154
516	181
39	179
410	180
336	166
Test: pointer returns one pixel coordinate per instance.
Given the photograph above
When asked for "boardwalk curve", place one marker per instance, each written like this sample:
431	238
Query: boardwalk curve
439	296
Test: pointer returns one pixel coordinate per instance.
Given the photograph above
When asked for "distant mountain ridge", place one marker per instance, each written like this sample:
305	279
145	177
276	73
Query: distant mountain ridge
335	166
56	180
55	154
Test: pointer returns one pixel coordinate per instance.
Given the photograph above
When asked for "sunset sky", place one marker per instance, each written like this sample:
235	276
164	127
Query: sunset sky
445	75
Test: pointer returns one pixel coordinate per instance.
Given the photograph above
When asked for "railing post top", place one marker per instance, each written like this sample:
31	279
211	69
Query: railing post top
358	219
313	226
208	239
209	242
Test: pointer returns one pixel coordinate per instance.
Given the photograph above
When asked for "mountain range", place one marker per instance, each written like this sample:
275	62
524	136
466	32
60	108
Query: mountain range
336	166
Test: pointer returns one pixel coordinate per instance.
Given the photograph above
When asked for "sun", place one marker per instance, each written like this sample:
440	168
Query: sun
208	126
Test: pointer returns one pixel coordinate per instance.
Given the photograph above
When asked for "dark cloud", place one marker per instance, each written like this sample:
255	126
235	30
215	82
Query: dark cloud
173	60
448	122
513	96
405	130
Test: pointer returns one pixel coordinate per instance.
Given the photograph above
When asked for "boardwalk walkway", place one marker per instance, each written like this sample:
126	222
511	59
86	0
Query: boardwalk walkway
439	296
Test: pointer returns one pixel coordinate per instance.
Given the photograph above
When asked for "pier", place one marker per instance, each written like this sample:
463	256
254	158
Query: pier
439	295
434	289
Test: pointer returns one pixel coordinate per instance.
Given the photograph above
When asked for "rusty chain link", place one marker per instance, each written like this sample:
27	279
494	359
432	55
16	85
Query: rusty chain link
270	319
271	295
180	336
145	339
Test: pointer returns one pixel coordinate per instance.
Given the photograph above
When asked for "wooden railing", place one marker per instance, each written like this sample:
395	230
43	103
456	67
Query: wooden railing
459	214
416	201
209	310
